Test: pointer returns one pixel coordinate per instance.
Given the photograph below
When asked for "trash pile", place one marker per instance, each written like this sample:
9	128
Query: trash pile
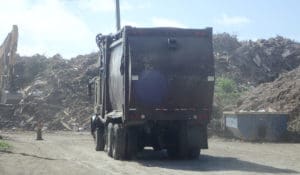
257	62
281	95
57	95
225	43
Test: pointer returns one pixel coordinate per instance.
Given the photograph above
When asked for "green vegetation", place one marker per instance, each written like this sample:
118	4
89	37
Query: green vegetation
226	91
4	146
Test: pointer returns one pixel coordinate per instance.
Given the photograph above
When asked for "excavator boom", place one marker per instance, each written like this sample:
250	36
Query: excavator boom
8	51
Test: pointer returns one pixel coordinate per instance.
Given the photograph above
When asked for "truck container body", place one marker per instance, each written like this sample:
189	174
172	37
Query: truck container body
155	88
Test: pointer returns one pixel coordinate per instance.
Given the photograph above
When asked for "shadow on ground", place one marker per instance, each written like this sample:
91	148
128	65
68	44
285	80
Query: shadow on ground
205	163
28	155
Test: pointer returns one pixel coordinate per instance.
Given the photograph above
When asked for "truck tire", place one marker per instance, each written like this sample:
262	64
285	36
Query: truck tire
194	140
178	151
194	153
173	152
156	148
93	129
132	143
109	139
179	148
118	151
100	142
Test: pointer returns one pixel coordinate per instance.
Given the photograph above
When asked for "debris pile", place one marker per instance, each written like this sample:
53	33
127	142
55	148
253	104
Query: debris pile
26	68
272	63
281	95
225	43
257	62
57	95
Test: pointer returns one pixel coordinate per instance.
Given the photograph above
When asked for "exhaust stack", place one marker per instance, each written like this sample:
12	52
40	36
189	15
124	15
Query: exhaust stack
118	22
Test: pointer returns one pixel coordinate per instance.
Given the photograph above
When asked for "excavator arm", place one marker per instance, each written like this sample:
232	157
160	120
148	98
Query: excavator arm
8	50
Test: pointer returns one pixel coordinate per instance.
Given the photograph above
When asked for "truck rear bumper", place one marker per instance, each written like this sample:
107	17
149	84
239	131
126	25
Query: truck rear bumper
195	116
164	130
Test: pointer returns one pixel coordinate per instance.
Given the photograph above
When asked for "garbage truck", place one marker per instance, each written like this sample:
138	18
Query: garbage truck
154	88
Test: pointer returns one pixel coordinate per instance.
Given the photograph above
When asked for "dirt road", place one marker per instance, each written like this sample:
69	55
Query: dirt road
73	153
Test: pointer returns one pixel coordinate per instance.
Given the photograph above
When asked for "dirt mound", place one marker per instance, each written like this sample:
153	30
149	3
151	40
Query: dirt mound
281	95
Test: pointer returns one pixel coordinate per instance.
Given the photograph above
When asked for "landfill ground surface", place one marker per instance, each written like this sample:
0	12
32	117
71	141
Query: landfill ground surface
73	153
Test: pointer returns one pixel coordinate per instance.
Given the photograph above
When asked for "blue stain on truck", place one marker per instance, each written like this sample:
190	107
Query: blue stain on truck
151	88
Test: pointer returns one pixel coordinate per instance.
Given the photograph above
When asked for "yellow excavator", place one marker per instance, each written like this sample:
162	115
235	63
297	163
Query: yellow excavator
8	52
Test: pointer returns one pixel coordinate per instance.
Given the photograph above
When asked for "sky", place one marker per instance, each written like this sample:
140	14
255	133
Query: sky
69	27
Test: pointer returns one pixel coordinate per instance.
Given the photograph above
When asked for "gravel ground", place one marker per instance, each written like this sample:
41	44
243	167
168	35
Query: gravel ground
73	153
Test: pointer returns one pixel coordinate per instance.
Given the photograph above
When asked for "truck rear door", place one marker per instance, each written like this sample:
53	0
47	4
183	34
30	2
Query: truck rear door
171	68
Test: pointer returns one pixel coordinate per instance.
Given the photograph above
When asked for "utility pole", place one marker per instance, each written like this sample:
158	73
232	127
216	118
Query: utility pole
118	22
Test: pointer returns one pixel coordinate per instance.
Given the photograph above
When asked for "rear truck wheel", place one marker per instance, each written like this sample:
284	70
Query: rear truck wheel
119	142
156	148
100	141
140	147
195	137
193	153
173	146
93	128
178	151
156	145
187	143
172	152
105	138
132	143
109	139
179	148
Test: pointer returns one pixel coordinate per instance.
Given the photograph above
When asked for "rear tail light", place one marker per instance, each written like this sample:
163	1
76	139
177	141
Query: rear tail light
137	116
203	117
134	116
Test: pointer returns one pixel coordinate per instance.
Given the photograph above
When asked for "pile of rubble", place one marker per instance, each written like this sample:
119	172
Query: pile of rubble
225	43
281	95
57	95
257	62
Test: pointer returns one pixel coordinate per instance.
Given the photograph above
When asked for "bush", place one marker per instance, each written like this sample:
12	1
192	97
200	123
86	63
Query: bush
4	146
226	91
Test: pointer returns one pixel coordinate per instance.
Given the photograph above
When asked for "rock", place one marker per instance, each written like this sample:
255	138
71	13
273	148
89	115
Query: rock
257	60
